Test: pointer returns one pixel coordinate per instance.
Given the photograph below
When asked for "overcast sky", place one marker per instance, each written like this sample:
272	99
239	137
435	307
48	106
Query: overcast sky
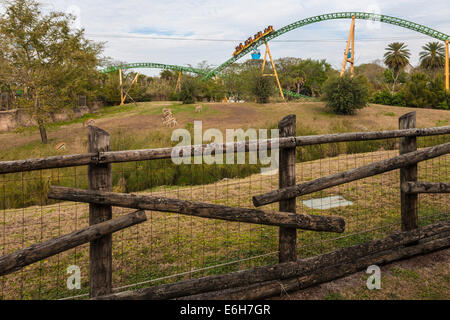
128	27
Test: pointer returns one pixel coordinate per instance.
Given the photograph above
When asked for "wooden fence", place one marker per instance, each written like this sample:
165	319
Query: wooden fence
261	280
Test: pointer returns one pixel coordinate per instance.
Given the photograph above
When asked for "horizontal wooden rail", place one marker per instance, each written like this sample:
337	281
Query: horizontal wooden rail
23	257
199	209
352	175
426	187
281	271
246	146
262	290
73	160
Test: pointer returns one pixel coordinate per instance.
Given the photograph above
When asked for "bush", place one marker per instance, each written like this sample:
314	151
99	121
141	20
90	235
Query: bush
385	97
345	95
261	88
174	96
421	92
188	91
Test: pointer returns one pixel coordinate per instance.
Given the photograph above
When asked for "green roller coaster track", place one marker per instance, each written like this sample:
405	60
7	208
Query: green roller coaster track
301	23
152	65
333	16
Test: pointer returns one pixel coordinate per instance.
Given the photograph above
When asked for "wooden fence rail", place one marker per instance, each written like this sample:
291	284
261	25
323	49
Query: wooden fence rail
284	270
262	290
21	258
242	146
352	175
426	187
200	209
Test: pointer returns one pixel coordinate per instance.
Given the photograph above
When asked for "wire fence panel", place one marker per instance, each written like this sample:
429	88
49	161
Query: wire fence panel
170	247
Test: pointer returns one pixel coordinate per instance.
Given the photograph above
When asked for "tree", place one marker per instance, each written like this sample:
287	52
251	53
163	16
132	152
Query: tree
49	61
303	76
234	82
345	95
396	59
262	88
433	57
189	90
168	75
374	74
421	92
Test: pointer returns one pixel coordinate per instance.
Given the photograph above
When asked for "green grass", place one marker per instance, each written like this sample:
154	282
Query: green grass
333	296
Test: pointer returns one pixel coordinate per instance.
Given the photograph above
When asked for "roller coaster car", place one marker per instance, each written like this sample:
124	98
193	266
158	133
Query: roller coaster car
250	40
268	30
258	36
239	48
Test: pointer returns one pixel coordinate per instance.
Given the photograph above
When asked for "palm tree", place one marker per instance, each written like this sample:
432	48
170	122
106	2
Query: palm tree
396	59
433	56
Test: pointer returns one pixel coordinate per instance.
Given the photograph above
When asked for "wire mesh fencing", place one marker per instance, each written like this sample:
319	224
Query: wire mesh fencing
170	247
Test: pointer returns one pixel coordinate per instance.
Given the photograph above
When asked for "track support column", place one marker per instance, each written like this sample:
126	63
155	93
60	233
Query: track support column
275	74
351	40
178	86
447	67
122	97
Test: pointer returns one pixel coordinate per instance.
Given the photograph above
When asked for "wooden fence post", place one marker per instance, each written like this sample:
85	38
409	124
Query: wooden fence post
409	212
287	236
100	254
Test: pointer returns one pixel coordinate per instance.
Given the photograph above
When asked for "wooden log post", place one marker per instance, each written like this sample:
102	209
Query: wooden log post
409	201
100	178
287	236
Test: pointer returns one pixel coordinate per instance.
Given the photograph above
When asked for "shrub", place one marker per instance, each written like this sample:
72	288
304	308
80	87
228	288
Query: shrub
421	92
261	88
188	91
345	95
174	96
387	98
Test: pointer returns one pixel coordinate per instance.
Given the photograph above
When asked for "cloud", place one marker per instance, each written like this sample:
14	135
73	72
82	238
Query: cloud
123	23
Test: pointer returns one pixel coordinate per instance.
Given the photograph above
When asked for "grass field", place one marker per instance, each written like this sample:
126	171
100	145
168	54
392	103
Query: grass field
143	127
170	244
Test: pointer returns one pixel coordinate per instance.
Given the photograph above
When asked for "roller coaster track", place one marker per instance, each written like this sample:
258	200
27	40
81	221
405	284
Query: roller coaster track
333	16
298	24
152	65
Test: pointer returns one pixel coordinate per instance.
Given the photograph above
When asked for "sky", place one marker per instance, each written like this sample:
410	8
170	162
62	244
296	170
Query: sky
176	32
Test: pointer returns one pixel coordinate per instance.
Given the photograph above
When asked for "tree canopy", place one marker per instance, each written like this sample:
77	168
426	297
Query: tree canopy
47	59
